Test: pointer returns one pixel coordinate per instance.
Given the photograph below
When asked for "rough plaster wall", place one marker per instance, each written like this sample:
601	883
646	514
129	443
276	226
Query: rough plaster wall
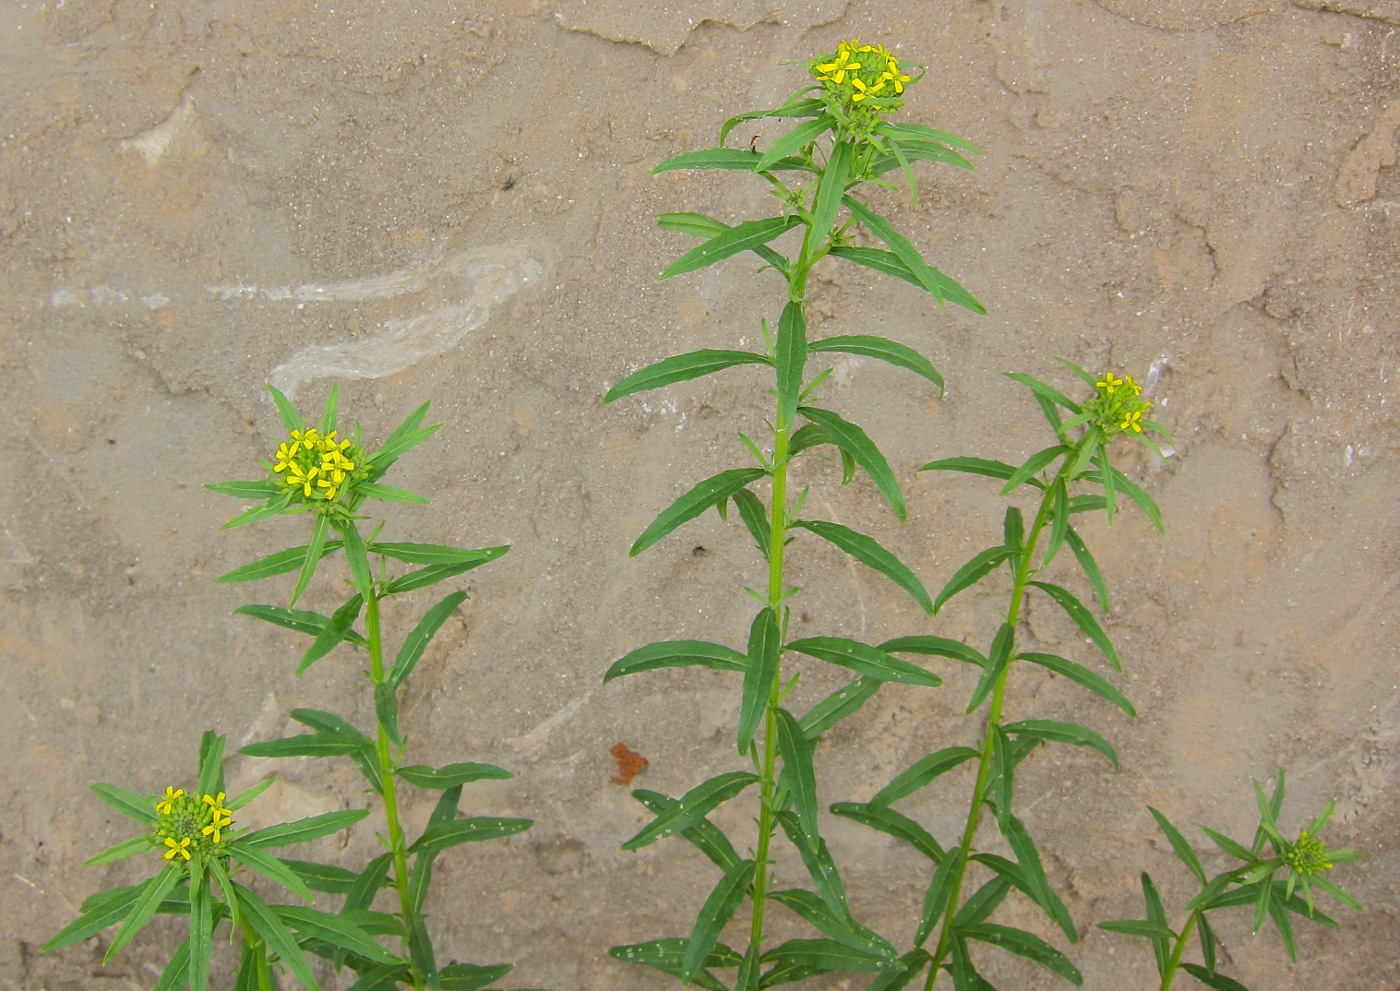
1208	189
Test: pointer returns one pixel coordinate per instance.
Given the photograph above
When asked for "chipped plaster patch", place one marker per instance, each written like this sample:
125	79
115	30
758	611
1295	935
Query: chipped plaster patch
664	28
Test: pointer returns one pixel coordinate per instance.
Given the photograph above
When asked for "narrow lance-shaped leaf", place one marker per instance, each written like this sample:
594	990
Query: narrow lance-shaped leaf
837	706
1183	849
1083	676
812	909
755	517
422	776
820	867
335	631
791	360
302	830
940	889
693	806
854	441
1004	765
899	244
799	775
144	908
710	492
269	866
760	672
882	349
276	564
831	187
313	624
714	915
870	553
1054	731
745	236
1027	945
422	634
888	263
1088	565
704	835
997	660
921	773
313	556
895	824
128	803
1041	892
441	836
813	956
864	659
677	654
982	564
804	133
1083	618
681	368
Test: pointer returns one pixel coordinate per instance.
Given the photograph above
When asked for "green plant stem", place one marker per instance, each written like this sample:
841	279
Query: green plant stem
989	740
256	945
1169	973
386	771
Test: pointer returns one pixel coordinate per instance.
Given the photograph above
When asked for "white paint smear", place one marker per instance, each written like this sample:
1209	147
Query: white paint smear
478	279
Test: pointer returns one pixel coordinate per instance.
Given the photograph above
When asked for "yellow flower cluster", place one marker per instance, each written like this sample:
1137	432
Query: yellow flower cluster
187	827
1308	856
857	72
1118	407
317	466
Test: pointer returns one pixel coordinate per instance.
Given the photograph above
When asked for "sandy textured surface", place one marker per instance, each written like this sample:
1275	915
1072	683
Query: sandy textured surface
442	200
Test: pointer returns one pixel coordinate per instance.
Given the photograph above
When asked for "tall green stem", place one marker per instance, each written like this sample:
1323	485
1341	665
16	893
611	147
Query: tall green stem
989	739
1169	972
397	844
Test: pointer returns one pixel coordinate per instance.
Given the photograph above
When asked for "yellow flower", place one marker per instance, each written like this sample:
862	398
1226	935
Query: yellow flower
297	477
165	805
836	70
1137	389
182	848
895	76
1132	420
1108	383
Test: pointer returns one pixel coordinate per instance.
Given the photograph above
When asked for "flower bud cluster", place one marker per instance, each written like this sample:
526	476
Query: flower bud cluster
317	468
863	80
1118	407
188	828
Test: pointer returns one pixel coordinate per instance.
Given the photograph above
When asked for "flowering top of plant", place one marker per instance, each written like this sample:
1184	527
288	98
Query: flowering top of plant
1119	406
317	468
189	828
864	77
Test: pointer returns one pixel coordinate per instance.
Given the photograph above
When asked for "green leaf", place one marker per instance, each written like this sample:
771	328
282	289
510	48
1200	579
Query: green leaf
338	930
1088	565
882	349
678	654
305	745
926	274
387	493
99	916
831	187
1082	676
755	517
759	674
1083	618
1161	946
1004	768
421	875
386	712
355	555
997	659
258	489
448	775
693	806
1209	943
794	107
909	967
668	956
982	564
331	724
816	912
703	834
854	441
1027	945
983	902
745	236
176	974
1217	981
918	151
1048	392
434	573
302	830
972	466
1040	891
791	360
803	134
1183	849
1139	927
718	909
870	553
888	263
411	553
322	877
820	867
711	492
120	851
865	660
837	706
420	951
825	955
269	866
291	419
313	624
1059	522
1060	732
940	889
921	773
276	564
441	836
470	976
680	368
1134	492
143	907
919	132
730	159
417	641
896	824
336	630
128	803
1033	466
935	646
799	775
313	556
408	434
